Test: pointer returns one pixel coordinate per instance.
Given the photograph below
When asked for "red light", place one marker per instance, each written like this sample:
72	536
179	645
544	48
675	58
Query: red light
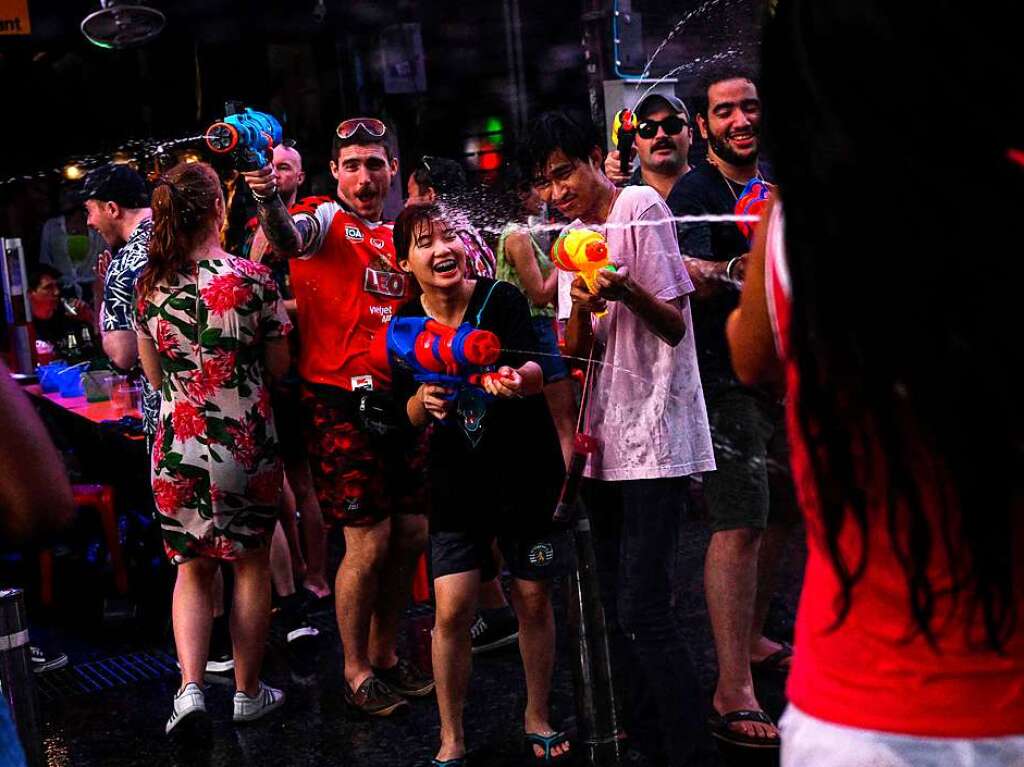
490	156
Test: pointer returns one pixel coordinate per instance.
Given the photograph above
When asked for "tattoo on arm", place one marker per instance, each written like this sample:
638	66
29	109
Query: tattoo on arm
279	227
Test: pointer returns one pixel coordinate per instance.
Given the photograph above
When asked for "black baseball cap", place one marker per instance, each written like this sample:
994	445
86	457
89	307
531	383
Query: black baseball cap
116	183
653	101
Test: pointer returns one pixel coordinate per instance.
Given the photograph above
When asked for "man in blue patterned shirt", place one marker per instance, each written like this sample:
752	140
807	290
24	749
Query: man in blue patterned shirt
117	201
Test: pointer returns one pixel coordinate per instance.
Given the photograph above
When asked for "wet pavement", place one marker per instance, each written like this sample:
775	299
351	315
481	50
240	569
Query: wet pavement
108	708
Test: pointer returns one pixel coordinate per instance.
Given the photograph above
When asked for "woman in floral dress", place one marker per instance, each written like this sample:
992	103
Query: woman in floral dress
210	327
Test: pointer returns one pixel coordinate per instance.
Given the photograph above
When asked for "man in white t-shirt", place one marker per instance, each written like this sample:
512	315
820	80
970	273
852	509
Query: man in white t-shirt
647	414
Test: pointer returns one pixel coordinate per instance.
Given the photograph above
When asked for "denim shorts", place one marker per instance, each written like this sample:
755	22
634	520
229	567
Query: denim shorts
752	483
550	360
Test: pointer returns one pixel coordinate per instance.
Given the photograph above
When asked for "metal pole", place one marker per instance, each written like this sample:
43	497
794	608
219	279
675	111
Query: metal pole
600	738
17	682
597	718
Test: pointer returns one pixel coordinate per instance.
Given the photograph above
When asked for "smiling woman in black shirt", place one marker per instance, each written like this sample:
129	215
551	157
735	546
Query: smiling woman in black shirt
495	469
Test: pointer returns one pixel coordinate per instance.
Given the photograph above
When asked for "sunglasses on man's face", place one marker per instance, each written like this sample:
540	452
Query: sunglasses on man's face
370	125
672	125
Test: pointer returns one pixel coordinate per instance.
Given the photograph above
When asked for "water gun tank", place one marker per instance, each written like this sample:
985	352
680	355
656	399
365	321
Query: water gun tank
246	133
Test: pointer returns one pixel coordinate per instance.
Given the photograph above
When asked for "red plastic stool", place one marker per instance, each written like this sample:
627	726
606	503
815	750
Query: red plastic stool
101	498
421	581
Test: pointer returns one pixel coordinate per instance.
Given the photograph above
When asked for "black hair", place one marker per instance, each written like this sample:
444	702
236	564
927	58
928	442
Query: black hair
444	176
37	274
409	221
719	73
908	359
550	132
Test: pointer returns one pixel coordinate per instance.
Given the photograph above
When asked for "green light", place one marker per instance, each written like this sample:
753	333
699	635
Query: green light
494	128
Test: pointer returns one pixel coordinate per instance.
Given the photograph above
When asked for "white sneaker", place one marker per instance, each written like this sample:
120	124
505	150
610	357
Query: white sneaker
250	709
188	702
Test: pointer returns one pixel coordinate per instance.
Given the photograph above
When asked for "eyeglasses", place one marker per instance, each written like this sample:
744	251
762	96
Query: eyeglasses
672	125
560	174
371	125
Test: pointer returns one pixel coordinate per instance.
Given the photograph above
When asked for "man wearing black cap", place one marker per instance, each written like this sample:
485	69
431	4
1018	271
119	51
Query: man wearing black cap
117	202
662	143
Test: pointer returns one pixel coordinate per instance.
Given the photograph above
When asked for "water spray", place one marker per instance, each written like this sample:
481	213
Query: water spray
701	9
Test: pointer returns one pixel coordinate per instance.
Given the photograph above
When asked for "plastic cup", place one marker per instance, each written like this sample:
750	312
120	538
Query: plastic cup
126	397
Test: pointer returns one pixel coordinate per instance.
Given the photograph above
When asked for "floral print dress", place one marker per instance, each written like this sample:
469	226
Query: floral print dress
216	469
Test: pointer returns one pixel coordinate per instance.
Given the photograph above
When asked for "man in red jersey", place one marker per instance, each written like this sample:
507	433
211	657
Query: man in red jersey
347	287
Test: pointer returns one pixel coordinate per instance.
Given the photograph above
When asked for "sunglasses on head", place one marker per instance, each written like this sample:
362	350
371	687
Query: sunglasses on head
371	125
672	125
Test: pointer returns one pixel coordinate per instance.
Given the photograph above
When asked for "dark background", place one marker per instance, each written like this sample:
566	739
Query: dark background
65	99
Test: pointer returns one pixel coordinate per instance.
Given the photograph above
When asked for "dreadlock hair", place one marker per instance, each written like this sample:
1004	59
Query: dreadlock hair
908	394
184	211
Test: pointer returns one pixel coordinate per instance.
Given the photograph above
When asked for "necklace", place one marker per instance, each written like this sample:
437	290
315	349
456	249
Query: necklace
730	181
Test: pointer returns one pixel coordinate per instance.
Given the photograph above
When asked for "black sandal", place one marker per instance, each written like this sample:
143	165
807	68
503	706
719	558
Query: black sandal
774	661
719	724
548	743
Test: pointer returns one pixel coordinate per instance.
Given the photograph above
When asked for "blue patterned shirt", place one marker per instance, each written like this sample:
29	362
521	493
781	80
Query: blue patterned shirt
119	304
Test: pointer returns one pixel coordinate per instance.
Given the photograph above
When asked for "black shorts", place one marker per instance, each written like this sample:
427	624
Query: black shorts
752	483
529	558
288	418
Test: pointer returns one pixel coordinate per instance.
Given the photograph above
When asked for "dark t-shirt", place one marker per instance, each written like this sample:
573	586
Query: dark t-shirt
56	329
495	465
705	191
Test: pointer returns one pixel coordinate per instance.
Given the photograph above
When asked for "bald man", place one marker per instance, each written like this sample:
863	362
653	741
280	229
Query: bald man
290	176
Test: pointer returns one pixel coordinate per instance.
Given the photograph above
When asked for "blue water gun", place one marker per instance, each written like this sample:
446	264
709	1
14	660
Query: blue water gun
440	354
248	135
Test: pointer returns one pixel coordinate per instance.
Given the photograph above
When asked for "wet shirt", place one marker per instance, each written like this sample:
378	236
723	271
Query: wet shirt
647	406
495	465
704	190
119	304
347	288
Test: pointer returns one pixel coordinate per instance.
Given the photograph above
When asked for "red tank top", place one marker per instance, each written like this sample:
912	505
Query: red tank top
347	288
867	673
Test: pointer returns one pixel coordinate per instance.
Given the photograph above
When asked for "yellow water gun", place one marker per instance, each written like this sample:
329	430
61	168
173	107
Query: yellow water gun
582	251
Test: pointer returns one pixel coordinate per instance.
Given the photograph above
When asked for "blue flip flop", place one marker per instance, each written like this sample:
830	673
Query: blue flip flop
458	761
548	743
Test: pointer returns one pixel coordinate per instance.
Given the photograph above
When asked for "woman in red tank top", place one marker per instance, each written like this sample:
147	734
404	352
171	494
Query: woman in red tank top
899	367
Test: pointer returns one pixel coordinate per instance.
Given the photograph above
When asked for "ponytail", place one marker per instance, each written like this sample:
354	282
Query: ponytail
184	207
